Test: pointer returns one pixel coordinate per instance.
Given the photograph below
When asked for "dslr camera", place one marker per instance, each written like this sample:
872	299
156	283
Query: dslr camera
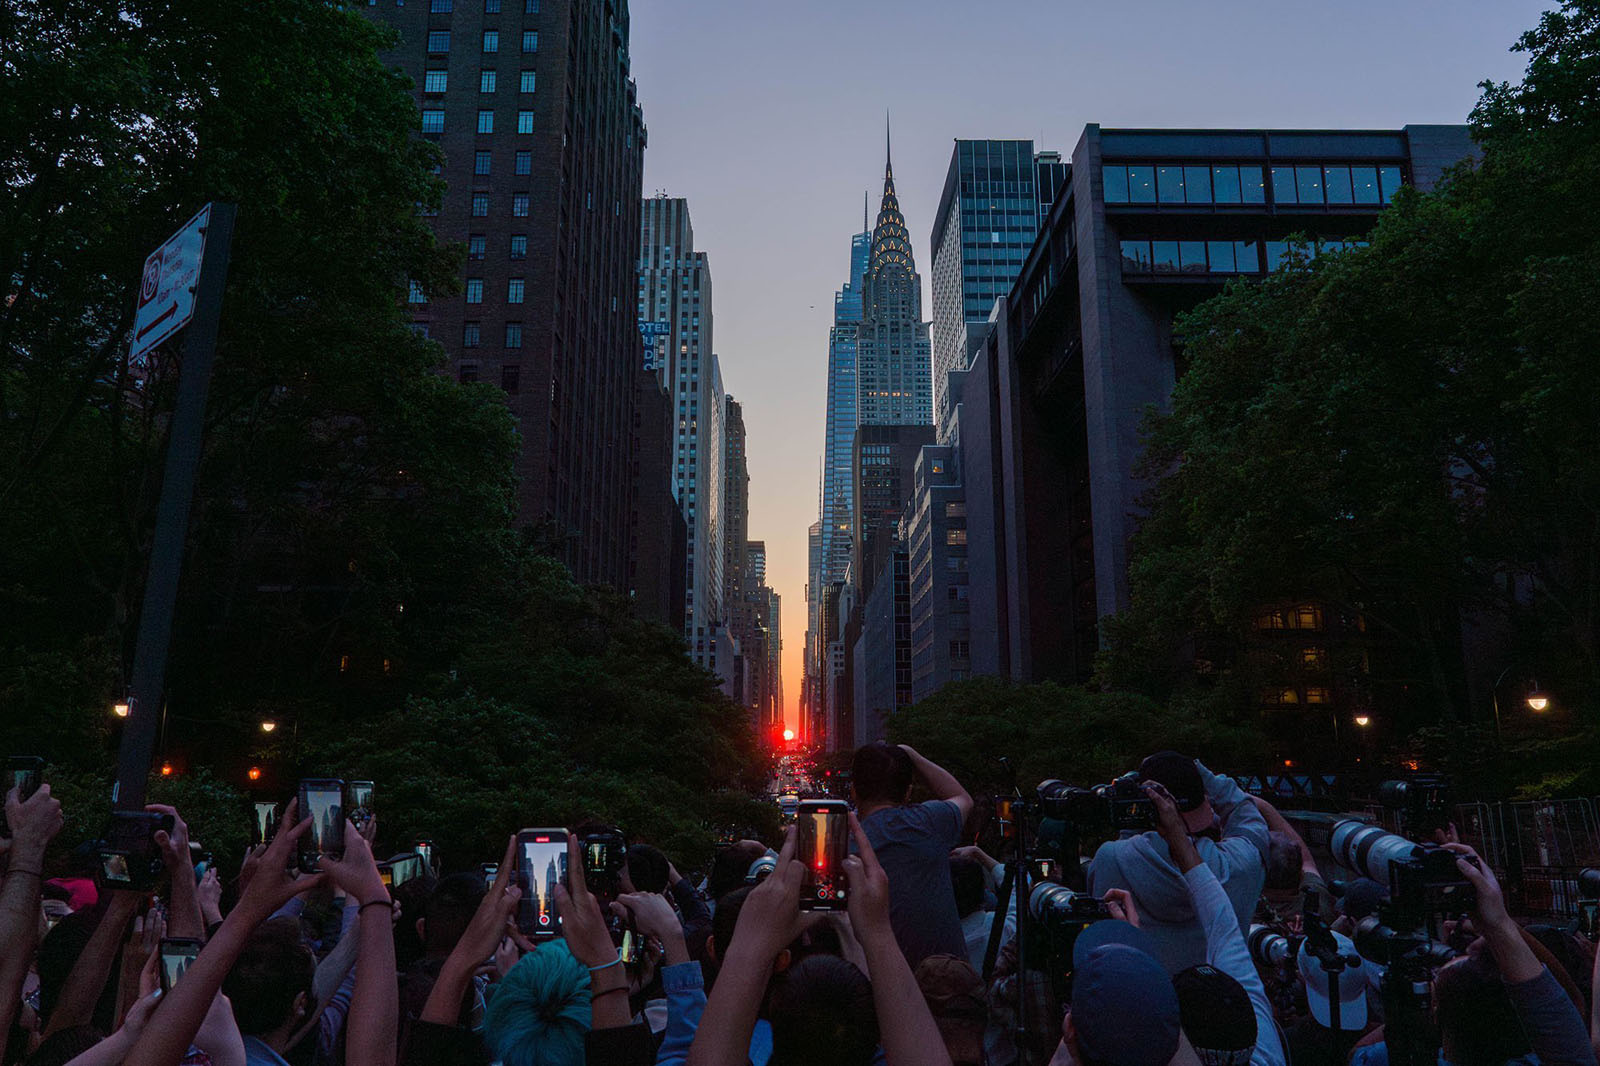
1422	801
1056	916
1119	805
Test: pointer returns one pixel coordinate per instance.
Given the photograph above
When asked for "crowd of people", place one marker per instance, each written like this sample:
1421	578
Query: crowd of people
936	960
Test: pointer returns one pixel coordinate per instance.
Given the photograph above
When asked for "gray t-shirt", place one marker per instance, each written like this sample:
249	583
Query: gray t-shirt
913	844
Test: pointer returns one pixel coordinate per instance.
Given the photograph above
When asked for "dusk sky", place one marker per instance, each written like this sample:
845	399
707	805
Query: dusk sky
768	117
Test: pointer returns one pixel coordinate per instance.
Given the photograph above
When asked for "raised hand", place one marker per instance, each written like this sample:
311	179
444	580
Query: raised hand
271	885
34	823
356	871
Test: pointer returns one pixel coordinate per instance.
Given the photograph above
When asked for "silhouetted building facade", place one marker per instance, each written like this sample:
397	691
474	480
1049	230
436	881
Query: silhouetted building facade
543	141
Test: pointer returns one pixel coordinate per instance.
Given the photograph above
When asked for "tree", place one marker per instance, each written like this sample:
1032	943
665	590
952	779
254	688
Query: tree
1403	432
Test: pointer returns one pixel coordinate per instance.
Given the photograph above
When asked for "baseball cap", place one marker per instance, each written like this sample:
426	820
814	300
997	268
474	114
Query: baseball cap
1124	1008
1217	1016
1352	987
1179	775
955	996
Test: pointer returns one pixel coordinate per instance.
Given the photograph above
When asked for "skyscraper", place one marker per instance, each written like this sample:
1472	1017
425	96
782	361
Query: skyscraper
996	193
738	596
893	353
837	480
543	142
674	294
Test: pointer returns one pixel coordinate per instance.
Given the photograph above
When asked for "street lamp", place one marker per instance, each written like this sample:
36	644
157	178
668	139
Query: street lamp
268	725
1538	699
120	709
1363	720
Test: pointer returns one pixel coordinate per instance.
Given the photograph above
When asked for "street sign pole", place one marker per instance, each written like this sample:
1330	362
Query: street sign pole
172	517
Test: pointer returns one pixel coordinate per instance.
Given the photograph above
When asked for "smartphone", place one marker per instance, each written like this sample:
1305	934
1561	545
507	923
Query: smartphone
24	773
321	800
266	823
129	858
605	852
821	847
632	948
176	955
386	874
541	865
1589	919
359	802
424	849
488	871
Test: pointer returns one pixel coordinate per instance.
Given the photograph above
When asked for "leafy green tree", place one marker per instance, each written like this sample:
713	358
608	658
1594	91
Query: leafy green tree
1402	433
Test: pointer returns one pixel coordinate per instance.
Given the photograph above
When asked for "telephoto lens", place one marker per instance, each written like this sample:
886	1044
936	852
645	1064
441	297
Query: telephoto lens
1369	849
1268	947
1054	904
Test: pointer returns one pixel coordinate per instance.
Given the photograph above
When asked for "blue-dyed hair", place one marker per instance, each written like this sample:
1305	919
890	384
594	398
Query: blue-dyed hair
540	1013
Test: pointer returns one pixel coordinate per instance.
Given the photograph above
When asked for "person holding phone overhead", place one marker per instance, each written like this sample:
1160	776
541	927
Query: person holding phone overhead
913	841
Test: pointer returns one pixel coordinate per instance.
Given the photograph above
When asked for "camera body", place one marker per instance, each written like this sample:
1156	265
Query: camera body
1422	801
1119	805
605	853
129	858
1429	883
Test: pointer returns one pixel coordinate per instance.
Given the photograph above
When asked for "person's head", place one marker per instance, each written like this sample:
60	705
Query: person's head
822	1011
540	1013
955	996
1477	1024
647	868
1283	862
413	896
270	983
968	878
730	866
448	912
1124	1011
1361	898
881	773
1179	775
1217	1016
724	920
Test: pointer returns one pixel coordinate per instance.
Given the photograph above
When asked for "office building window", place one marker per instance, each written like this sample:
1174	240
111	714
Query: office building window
1283	187
1308	184
530	41
1364	185
417	295
524	121
513	334
491	40
491	7
486	81
519	246
435	81
480	162
480	204
440	7
1220	255
519	204
514	287
1169	184
468	374
511	372
477	245
432	120
1389	182
528	80
438	41
471	334
524	163
1336	183
530	7
485	121
474	290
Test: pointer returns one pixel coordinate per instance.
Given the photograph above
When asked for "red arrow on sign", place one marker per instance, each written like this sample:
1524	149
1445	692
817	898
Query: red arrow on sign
171	310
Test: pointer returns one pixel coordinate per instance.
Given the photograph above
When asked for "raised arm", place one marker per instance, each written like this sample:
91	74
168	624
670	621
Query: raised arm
184	918
1244	829
33	824
373	1024
1277	823
906	1026
184	1008
939	781
86	981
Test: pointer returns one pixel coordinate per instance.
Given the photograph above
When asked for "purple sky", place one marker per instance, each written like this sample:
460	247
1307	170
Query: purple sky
768	117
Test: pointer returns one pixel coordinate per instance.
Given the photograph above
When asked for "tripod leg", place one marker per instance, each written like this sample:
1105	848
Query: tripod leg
998	925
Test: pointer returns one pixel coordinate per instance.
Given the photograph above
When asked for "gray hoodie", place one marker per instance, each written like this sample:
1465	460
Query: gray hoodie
1141	864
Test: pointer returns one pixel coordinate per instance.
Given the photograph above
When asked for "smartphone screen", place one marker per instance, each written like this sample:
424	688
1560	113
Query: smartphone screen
823	843
266	821
321	800
541	865
23	773
176	956
489	871
1589	918
424	848
360	801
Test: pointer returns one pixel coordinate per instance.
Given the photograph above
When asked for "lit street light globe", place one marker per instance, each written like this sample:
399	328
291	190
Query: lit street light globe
1538	701
268	725
1363	720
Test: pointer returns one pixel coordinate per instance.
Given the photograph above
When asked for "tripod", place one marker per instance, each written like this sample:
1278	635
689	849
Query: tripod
1014	882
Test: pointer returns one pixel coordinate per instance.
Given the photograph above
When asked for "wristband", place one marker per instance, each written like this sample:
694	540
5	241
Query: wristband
375	903
606	966
30	873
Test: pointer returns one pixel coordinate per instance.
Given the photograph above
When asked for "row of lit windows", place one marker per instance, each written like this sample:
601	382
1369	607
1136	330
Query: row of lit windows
519	205
515	288
438	81
439	42
1217	257
1243	183
1288	697
478	245
444	7
433	120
